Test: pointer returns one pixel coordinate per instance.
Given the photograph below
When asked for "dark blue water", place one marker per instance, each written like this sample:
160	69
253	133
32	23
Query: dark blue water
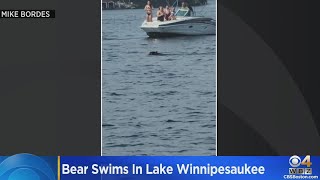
157	105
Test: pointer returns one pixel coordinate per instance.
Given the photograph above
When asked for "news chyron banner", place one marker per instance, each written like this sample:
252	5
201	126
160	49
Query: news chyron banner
31	167
27	13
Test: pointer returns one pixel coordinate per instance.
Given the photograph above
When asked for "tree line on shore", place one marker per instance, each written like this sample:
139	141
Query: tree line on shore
157	3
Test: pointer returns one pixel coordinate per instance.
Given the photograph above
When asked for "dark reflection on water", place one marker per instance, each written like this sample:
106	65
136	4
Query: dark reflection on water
157	105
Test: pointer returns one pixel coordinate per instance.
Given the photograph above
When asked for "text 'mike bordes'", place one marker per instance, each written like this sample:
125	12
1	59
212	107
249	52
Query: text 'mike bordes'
27	13
160	169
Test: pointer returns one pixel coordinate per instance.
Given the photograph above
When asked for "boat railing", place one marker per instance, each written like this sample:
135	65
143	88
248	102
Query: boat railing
176	4
184	13
188	12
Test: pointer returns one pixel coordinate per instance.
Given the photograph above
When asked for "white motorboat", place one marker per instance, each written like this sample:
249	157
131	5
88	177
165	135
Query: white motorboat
184	24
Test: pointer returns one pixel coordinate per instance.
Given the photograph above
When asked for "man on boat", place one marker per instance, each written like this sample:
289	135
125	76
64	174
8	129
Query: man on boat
185	7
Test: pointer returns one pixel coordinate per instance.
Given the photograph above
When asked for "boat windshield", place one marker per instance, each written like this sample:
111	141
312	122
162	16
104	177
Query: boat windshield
182	12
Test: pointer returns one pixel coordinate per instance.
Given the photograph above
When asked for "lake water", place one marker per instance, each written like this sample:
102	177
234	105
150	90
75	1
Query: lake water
157	105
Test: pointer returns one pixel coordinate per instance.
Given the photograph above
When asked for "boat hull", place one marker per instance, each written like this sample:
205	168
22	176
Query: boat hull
180	27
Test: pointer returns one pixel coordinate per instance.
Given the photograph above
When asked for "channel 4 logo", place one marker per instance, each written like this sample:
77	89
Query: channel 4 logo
28	167
300	167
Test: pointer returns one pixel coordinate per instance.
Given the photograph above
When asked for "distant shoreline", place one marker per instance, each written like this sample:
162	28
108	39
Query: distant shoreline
135	4
112	9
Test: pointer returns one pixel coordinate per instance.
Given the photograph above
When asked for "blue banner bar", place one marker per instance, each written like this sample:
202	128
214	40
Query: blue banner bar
31	167
190	168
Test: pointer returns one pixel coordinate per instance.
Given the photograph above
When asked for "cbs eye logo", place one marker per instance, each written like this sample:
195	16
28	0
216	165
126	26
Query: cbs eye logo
295	161
25	167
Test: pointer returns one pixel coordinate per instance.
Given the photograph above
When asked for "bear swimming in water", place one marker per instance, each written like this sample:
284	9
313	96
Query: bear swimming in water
154	53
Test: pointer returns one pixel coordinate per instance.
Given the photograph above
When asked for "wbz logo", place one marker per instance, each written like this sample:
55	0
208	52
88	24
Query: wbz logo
296	163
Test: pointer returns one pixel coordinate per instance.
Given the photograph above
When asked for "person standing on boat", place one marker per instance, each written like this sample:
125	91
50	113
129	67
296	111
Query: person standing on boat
148	8
160	14
184	6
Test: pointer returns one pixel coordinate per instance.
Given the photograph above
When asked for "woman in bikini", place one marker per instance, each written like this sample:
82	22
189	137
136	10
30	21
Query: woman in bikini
148	8
160	14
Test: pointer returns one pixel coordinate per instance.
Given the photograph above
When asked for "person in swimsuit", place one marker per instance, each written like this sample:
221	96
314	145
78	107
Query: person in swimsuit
160	14
172	12
167	13
148	8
